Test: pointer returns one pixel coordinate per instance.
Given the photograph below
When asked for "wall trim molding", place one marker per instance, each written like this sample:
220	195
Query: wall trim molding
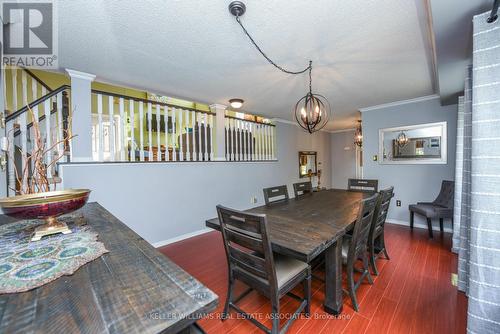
416	225
285	121
343	130
181	237
398	103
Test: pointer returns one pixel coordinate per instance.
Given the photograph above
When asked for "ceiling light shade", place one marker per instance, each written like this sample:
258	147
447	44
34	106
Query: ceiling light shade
358	135
236	103
402	139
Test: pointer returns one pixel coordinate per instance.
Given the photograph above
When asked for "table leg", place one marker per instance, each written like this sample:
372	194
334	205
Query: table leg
333	278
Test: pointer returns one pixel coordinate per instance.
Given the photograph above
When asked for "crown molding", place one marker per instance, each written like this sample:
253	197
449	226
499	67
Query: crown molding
281	120
343	130
398	103
80	75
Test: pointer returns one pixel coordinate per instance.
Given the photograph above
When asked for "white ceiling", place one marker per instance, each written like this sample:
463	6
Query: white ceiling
452	27
364	52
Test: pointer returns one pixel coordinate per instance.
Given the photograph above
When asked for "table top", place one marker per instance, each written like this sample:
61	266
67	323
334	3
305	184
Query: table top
131	289
305	227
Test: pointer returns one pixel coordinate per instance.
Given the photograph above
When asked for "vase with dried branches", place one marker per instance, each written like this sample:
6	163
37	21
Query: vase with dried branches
34	197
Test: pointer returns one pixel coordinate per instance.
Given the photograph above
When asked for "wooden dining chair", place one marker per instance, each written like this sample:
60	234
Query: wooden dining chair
362	185
376	240
302	188
251	261
354	248
275	194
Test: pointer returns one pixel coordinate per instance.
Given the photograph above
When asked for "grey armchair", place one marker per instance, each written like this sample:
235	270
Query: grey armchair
441	207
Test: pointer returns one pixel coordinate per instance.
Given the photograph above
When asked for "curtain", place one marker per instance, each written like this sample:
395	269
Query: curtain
457	207
479	225
465	197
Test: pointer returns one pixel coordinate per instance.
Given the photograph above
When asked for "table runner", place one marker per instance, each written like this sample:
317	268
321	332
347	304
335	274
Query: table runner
25	265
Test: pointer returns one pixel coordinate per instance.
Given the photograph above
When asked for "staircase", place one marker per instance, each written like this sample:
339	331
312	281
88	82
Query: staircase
23	91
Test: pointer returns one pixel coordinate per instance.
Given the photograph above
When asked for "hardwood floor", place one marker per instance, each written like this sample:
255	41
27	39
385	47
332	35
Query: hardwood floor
412	294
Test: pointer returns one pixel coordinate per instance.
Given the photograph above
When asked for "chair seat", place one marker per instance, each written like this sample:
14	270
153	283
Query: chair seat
431	210
287	268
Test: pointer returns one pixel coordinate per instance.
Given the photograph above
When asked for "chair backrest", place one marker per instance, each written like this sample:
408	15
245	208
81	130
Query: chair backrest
362	185
446	195
362	227
381	209
302	188
247	245
270	194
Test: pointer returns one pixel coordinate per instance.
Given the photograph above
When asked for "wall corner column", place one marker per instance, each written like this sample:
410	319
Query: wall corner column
81	111
220	146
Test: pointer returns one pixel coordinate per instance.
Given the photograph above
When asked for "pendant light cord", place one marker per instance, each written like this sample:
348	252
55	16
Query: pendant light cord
308	68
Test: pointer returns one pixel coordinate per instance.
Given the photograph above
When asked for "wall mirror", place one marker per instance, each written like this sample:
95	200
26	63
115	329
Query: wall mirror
414	144
307	164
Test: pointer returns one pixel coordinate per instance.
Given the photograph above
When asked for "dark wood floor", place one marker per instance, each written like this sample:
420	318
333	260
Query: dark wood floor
412	294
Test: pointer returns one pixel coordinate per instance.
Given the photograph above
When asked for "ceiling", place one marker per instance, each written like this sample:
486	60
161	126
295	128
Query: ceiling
452	27
364	52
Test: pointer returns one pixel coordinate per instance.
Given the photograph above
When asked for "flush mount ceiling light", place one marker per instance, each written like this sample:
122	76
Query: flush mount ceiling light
312	110
358	135
236	103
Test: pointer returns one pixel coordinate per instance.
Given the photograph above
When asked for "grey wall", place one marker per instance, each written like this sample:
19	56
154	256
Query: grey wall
343	158
412	183
161	201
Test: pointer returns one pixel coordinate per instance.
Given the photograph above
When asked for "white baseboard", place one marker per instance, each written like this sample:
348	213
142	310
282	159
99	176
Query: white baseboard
417	225
181	237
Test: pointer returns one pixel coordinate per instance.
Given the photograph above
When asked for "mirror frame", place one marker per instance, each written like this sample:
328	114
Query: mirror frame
315	162
443	160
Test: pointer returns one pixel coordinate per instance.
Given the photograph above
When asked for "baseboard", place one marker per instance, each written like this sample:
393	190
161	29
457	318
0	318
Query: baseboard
417	225
181	237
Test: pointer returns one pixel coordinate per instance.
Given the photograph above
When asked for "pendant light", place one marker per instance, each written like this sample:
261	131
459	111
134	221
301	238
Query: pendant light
312	111
402	139
358	135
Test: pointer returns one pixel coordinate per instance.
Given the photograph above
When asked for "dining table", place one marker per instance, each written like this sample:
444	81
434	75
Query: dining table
133	288
308	227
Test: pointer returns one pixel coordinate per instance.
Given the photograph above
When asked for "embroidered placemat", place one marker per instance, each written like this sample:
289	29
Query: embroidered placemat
25	265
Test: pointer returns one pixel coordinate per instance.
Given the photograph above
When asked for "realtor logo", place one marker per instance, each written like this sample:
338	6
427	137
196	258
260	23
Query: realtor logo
29	33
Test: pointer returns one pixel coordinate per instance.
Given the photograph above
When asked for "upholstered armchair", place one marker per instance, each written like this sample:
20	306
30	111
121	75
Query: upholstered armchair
441	207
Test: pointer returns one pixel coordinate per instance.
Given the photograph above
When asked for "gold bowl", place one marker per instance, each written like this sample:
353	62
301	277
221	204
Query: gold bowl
47	206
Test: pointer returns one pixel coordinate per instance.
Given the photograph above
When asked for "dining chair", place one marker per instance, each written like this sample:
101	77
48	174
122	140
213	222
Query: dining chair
362	185
271	194
354	248
376	240
302	188
251	261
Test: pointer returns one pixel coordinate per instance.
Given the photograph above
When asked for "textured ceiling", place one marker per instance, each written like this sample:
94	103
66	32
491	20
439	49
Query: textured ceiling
364	52
452	26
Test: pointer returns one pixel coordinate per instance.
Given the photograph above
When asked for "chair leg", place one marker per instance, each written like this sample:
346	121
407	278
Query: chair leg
366	270
350	287
225	313
429	225
307	294
275	313
441	224
412	216
372	257
382	240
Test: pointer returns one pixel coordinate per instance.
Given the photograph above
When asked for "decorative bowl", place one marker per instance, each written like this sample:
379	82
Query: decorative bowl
46	206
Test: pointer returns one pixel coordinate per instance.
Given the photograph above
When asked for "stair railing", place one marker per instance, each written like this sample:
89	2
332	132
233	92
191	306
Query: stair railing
53	114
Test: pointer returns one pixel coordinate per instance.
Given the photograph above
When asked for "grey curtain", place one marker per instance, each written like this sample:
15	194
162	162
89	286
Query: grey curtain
465	197
479	247
457	207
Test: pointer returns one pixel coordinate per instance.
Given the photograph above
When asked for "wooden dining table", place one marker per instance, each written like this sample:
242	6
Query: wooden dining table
131	289
307	227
